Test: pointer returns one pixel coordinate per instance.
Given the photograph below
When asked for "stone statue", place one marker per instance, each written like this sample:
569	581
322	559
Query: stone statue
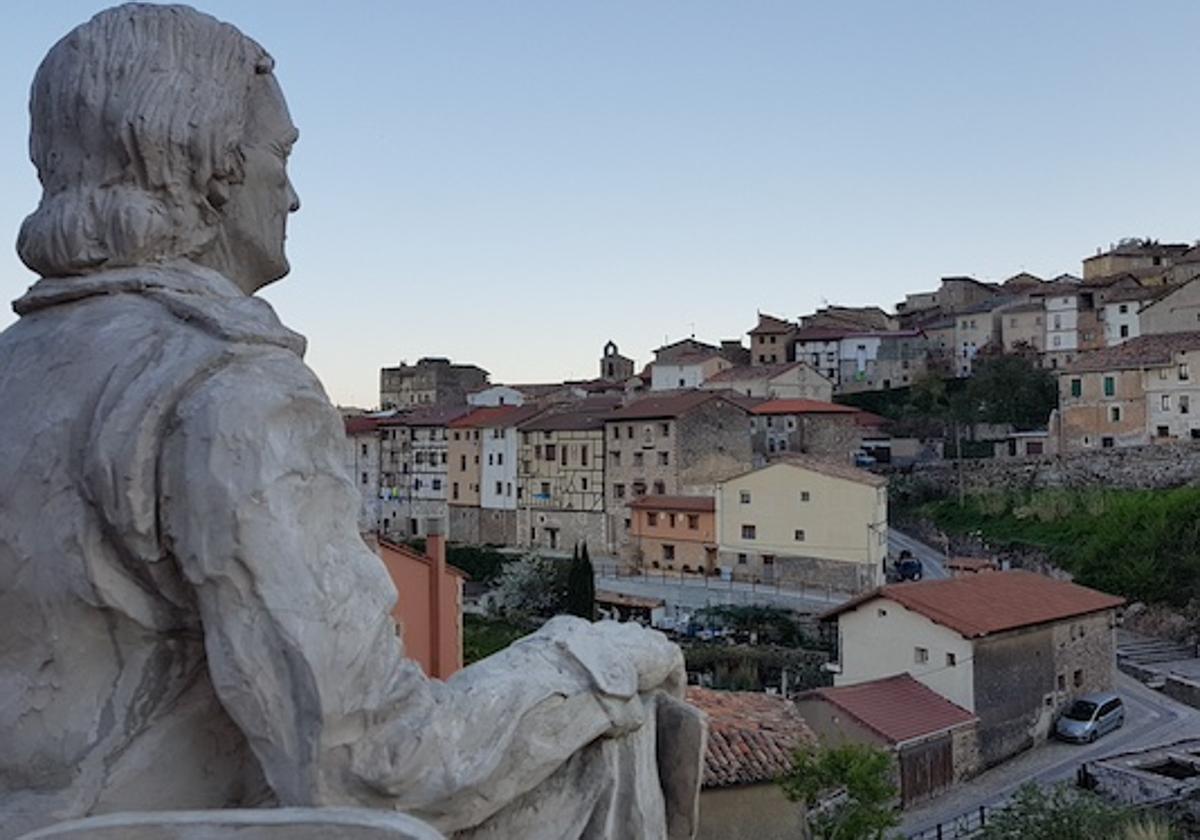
190	619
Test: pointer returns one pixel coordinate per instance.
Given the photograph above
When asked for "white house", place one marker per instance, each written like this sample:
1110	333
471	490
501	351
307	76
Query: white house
496	395
498	459
686	371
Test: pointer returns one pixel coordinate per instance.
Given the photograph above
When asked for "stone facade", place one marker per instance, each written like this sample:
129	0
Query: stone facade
431	381
1101	410
832	436
613	366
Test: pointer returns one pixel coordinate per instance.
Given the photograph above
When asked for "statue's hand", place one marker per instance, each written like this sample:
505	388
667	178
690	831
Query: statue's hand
622	659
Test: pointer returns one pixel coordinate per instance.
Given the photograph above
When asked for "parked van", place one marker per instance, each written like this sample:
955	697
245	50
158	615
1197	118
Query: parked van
1091	716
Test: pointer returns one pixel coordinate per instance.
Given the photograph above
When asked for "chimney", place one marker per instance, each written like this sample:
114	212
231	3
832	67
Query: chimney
435	550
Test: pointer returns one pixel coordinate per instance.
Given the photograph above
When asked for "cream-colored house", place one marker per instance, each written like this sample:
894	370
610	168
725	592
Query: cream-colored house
801	520
789	380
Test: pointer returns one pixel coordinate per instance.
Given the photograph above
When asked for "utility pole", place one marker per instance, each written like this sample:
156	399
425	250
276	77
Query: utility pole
959	455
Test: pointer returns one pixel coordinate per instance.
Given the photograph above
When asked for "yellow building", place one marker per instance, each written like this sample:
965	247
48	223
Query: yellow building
801	520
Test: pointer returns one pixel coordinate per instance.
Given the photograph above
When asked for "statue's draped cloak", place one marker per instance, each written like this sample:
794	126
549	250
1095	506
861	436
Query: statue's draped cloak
190	619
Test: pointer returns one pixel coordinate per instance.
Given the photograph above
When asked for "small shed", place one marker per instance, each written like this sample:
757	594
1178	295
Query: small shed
932	739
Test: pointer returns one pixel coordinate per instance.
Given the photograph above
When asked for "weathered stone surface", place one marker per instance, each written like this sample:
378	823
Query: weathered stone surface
260	824
189	617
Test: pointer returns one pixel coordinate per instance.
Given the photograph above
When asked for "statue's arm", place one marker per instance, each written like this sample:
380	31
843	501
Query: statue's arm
258	512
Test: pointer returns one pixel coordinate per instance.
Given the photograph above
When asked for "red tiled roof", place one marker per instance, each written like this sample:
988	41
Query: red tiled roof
803	407
979	605
699	503
897	708
433	416
751	736
360	425
823	333
489	417
1143	351
833	469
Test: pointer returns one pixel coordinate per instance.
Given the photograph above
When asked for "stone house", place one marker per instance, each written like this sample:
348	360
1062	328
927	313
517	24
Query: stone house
683	347
751	740
499	482
850	319
975	327
1022	325
931	739
811	427
1130	394
958	294
787	380
362	465
1176	311
431	381
1133	255
560	476
771	341
802	520
821	347
671	445
1120	312
673	533
1011	647
687	370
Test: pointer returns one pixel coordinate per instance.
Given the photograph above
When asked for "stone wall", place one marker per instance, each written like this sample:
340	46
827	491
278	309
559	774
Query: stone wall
1014	676
1135	468
464	524
795	572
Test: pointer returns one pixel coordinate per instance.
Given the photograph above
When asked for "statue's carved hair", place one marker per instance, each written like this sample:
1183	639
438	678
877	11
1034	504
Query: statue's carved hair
137	119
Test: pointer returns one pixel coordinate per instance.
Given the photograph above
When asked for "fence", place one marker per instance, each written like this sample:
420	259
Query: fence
970	824
798	589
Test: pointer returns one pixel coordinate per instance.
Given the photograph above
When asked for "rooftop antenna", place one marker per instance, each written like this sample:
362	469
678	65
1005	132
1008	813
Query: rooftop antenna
693	329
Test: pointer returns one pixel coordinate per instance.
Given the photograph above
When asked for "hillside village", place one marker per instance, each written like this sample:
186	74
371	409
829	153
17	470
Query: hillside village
751	473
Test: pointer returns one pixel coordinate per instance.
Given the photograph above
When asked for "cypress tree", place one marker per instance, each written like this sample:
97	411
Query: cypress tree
581	586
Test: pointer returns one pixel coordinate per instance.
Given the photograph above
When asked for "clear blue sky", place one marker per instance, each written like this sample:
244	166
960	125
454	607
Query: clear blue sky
514	183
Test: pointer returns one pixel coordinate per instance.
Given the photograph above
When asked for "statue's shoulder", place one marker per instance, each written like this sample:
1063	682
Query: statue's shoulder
187	297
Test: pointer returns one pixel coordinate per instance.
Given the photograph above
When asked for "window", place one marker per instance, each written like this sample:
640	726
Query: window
921	655
671	519
1077	678
1114	413
951	660
768	559
1163	431
1183	372
660	489
804	496
551	451
652	519
615	456
1185	403
499	459
563	459
462	464
629	432
1110	386
364	478
637	459
583	455
748	532
618	491
1076	387
744	497
639	488
545	488
668	552
616	432
1124	331
742	559
799	535
1106	443
1062	682
1166	402
364	450
437	484
508	488
456	436
664	429
499	488
664	458
454	490
1162	373
693	522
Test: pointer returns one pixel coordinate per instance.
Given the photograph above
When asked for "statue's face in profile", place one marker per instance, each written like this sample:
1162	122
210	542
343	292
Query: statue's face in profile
250	248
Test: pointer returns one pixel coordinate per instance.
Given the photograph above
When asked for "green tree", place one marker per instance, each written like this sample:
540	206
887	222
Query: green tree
1010	388
848	791
1057	813
532	587
581	586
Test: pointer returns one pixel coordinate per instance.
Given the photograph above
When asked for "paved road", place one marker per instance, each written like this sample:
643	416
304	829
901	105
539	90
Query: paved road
692	592
932	560
1151	719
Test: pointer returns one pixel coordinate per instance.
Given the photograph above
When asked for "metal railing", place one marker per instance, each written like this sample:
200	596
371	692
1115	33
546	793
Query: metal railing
967	825
816	591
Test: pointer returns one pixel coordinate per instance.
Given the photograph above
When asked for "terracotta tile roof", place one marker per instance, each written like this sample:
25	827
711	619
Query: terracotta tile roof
666	405
360	425
803	407
698	357
751	736
897	708
822	333
1143	351
490	417
740	373
979	605
585	415
434	415
698	503
770	325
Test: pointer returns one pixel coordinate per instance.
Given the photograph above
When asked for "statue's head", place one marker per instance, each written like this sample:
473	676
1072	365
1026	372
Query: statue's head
159	134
